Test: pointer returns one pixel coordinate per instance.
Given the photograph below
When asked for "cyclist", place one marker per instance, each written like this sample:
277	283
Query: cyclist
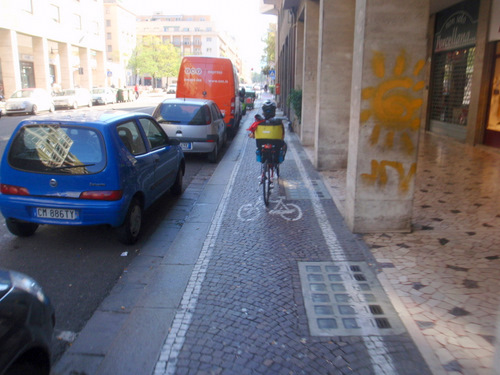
269	130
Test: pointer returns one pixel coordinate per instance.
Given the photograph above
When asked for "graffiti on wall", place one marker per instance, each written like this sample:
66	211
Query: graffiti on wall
394	109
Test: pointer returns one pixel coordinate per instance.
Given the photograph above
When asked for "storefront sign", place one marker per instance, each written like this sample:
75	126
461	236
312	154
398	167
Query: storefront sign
494	33
456	26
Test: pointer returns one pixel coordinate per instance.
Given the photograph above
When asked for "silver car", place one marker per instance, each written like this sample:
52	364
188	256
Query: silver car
197	123
73	98
29	101
103	95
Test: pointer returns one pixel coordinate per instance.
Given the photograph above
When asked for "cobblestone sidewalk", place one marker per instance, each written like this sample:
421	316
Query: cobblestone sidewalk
266	275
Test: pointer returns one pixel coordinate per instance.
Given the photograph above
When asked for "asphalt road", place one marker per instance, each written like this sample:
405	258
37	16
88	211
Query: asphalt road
78	266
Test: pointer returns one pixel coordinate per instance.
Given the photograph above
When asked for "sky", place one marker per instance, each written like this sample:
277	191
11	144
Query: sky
240	18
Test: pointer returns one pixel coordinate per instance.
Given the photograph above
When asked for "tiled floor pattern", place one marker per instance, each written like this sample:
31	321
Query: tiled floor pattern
447	271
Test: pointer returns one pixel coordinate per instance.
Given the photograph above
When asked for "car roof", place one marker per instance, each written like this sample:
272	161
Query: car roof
85	117
32	89
187	101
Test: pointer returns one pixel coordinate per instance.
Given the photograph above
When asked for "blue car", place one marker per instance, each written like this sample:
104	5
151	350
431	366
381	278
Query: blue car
28	321
87	168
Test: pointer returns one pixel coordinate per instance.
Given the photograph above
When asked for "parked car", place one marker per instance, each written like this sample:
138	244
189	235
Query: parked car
172	89
103	95
29	101
2	106
27	325
87	168
250	97
197	123
73	98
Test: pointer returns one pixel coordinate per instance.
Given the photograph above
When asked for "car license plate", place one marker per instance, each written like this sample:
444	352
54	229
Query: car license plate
186	145
56	213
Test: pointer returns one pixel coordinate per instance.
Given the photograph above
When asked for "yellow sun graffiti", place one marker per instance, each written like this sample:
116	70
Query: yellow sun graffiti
394	102
394	105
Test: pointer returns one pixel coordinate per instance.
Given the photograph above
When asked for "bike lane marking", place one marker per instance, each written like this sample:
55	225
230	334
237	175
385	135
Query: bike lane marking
380	357
167	362
252	211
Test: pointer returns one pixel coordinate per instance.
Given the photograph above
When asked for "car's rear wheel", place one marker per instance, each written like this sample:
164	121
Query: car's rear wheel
129	231
21	228
22	368
34	109
176	188
212	156
225	138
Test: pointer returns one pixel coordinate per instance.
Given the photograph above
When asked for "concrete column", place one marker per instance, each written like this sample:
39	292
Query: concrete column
336	36
309	86
86	77
99	74
299	55
66	66
41	63
386	102
9	58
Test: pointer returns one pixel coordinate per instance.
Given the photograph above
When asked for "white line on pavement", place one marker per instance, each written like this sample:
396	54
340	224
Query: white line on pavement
175	340
380	357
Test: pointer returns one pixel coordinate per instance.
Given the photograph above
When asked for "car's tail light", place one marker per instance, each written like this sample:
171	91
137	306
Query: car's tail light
232	106
13	190
102	195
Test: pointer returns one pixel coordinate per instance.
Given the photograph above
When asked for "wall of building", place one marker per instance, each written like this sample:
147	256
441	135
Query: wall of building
44	36
192	34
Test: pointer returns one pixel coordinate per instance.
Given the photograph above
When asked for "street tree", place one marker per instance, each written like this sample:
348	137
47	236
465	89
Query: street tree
155	58
268	58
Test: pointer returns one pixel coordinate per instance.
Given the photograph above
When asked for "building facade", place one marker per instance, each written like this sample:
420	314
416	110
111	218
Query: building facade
121	39
51	43
192	34
374	75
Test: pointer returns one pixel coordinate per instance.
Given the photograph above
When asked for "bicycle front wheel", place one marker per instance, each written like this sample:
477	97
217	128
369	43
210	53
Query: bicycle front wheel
266	185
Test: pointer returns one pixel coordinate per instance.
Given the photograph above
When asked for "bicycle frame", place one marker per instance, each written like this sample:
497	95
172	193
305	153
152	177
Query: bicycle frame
269	164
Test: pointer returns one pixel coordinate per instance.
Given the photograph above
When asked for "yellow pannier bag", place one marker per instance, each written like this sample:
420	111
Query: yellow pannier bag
269	132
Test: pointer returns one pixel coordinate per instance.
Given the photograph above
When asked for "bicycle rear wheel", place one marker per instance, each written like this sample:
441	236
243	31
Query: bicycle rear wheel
266	185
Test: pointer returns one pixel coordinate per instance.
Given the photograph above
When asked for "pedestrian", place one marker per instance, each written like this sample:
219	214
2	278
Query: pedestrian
272	130
136	90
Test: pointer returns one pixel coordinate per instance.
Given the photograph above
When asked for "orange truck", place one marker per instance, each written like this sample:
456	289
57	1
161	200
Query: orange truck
213	78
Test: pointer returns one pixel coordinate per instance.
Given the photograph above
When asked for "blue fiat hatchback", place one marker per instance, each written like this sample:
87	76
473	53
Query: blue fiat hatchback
87	168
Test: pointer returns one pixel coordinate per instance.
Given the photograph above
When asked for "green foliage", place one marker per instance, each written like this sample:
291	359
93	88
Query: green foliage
270	50
155	58
295	101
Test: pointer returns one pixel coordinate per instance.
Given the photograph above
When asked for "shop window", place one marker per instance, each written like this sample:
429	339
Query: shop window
492	132
451	89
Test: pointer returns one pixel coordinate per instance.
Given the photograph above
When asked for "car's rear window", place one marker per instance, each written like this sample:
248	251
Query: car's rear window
57	149
183	114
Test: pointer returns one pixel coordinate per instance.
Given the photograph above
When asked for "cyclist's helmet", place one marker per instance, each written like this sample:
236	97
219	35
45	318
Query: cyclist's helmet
268	109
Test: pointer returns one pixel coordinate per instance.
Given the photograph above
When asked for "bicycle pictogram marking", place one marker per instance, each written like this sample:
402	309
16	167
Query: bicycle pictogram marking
287	211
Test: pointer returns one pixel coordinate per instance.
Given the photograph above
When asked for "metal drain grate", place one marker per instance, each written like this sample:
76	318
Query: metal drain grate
346	299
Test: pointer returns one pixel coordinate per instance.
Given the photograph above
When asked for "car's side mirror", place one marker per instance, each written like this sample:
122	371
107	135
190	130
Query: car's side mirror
174	142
